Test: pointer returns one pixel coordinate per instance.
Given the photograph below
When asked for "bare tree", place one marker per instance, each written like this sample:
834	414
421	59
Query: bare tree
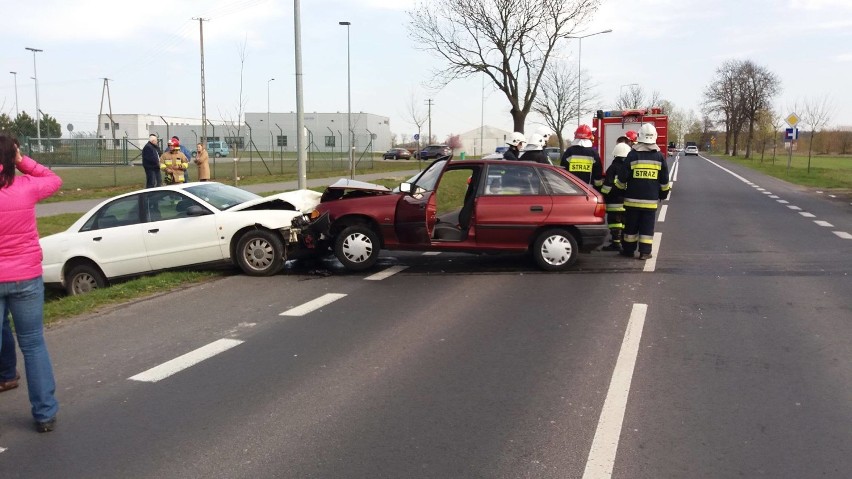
777	123
417	115
235	124
511	41
817	114
759	87
556	101
635	98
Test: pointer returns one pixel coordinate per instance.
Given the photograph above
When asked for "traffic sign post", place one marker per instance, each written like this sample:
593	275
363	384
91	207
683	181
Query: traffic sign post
792	134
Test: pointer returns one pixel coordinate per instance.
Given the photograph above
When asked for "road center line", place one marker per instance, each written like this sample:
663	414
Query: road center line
783	202
605	444
662	216
843	234
651	264
774	197
794	207
386	273
313	304
824	224
807	215
180	363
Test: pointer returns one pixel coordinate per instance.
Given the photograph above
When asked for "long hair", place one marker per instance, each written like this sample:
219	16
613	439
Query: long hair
8	153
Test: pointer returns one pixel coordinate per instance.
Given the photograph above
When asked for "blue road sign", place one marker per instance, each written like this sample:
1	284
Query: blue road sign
416	136
791	134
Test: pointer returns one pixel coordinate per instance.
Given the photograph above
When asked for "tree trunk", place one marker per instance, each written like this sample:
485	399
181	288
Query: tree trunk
561	142
518	119
749	138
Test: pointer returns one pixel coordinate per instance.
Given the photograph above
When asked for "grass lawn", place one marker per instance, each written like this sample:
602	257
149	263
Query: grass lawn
830	172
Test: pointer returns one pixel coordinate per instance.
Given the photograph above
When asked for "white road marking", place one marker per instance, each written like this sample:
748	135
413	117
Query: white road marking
386	273
180	363
843	234
832	196
756	186
807	215
739	177
313	304
768	193
2	450
663	210
774	197
825	224
819	192
651	264
760	189
794	207
605	444
783	202
431	253
675	170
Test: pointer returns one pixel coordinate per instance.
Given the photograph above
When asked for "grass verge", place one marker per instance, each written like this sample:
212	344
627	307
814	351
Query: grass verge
829	172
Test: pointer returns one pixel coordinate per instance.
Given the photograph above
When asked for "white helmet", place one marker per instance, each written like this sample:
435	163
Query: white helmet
621	150
648	133
536	142
517	139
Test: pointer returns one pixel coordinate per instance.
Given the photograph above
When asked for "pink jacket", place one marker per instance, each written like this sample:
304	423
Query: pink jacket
20	252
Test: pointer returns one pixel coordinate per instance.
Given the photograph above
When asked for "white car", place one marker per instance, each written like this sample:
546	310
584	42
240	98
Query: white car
690	150
175	226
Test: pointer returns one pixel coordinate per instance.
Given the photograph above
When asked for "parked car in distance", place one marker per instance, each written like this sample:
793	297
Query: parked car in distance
174	226
690	150
473	206
216	149
397	154
497	155
432	152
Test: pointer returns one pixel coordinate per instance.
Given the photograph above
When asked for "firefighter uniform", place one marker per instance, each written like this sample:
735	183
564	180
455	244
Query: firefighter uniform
645	181
615	197
584	163
512	154
173	163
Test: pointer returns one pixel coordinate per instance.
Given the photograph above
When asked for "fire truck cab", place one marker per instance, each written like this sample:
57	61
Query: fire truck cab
612	124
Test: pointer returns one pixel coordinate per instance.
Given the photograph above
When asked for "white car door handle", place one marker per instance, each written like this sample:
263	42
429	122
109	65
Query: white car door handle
97	238
155	230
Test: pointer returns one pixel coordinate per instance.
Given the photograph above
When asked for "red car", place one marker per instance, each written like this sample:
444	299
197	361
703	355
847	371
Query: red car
471	206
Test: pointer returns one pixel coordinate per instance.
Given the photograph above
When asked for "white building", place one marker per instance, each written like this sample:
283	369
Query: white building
483	140
325	131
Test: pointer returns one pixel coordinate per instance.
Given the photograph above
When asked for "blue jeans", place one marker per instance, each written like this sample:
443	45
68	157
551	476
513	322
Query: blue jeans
25	300
153	177
8	358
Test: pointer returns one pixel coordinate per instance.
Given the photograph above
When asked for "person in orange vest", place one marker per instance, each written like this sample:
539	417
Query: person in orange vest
174	163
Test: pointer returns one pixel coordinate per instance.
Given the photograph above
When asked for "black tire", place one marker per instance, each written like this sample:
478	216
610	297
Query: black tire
217	155
83	278
555	250
260	253
395	158
357	247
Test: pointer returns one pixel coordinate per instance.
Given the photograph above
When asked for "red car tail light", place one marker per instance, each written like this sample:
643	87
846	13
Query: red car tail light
600	210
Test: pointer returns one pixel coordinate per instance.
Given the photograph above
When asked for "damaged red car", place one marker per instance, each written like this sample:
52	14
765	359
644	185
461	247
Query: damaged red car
473	206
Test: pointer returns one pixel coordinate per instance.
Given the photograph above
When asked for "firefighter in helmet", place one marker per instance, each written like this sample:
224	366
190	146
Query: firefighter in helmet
645	181
583	161
174	163
516	142
629	137
535	149
615	197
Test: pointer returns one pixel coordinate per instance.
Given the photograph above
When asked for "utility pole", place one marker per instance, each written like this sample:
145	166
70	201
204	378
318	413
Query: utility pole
105	89
38	108
302	156
430	102
16	94
203	96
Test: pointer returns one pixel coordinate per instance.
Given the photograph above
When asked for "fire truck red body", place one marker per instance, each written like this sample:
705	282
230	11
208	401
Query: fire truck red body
613	124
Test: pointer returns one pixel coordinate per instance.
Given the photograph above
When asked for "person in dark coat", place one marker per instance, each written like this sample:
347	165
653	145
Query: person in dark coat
515	144
151	162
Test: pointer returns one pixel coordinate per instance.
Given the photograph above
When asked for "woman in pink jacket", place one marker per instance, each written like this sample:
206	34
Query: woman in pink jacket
21	285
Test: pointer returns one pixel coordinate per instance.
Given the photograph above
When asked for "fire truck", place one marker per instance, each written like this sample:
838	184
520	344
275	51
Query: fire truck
612	124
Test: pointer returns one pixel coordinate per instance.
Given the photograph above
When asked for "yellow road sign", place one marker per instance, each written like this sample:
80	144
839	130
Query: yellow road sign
792	120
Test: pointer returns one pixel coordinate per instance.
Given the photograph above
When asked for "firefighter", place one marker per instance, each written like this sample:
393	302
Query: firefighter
615	197
630	138
645	181
535	149
583	161
516	142
174	163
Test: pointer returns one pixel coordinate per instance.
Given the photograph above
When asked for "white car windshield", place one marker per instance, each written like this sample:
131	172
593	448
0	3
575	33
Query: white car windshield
221	196
427	180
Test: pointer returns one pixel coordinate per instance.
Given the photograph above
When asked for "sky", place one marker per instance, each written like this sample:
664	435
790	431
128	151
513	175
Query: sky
150	52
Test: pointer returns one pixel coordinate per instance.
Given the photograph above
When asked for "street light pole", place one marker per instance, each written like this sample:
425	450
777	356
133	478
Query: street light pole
268	124
16	93
580	72
349	95
38	107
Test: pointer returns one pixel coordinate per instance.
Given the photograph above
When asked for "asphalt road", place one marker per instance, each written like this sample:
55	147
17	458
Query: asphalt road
729	356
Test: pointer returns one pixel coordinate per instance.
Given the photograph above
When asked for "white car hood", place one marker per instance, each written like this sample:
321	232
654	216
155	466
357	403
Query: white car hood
304	200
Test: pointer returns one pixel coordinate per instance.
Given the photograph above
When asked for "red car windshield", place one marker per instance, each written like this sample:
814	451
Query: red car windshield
429	177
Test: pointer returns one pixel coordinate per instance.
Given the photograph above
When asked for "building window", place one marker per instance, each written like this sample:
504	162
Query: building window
329	141
106	126
282	140
235	142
